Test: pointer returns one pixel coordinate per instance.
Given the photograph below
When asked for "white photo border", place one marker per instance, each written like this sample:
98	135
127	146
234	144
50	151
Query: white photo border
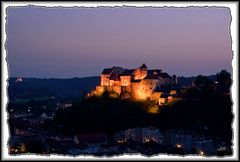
233	6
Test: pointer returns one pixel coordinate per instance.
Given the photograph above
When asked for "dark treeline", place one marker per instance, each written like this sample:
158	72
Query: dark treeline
36	87
31	88
102	114
206	105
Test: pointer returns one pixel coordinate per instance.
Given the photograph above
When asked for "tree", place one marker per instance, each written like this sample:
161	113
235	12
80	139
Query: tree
203	81
205	85
35	146
224	81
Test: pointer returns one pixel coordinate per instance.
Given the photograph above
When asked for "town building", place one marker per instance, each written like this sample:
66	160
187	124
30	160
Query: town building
140	135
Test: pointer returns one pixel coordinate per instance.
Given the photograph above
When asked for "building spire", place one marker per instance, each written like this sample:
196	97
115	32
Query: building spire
143	66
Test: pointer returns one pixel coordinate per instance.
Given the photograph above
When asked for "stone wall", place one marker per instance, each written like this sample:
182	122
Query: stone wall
144	89
116	89
104	80
140	73
125	80
100	90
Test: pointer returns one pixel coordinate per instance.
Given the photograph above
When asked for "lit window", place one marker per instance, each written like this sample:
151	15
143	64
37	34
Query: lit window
178	146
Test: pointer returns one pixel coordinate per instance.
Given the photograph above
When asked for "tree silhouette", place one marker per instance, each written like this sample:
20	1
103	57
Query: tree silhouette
224	81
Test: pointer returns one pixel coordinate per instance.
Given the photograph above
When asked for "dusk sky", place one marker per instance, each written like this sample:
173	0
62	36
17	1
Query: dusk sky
79	42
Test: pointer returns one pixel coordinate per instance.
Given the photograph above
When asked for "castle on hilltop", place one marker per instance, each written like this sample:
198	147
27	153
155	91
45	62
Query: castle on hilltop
140	83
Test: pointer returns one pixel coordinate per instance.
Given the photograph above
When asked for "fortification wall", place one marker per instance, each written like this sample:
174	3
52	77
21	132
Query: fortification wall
100	90
126	89
116	89
125	80
140	73
104	80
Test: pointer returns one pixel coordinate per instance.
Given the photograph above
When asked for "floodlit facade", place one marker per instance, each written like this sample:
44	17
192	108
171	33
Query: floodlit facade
140	83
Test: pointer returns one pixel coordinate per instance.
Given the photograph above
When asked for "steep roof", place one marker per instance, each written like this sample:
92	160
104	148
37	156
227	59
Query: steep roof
164	75
150	76
127	72
143	66
152	72
114	77
155	74
107	71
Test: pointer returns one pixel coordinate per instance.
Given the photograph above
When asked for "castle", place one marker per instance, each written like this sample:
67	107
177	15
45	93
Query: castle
140	83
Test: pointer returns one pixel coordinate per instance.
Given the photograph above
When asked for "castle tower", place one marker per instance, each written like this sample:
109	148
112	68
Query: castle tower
144	67
105	76
140	72
143	70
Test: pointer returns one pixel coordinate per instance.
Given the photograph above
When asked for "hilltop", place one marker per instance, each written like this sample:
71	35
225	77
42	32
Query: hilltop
72	87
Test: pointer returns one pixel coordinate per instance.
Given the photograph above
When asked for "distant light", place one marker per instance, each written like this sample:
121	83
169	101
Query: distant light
178	146
201	153
12	149
19	79
222	148
120	141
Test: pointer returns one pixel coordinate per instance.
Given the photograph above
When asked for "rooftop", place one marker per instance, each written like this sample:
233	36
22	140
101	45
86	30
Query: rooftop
164	75
143	66
127	72
107	71
150	76
114	77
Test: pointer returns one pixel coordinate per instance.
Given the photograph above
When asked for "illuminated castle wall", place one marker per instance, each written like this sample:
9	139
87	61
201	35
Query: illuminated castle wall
139	83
